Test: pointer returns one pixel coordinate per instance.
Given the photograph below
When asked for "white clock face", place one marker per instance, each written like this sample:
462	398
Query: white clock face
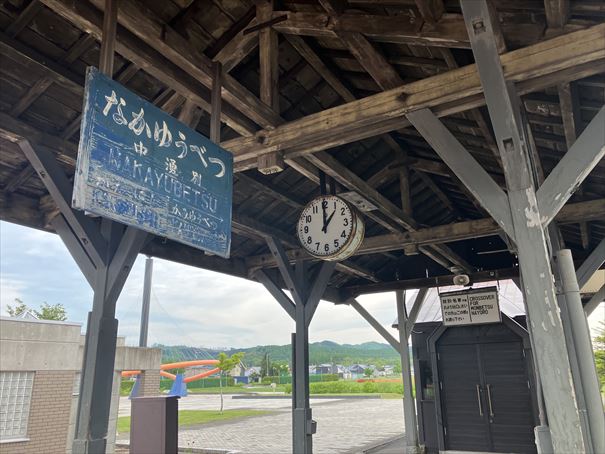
327	226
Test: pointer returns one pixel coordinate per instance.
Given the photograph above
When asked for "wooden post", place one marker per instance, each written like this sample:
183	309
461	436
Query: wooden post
216	100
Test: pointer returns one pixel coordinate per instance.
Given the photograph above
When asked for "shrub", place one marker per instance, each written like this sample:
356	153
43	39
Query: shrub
352	387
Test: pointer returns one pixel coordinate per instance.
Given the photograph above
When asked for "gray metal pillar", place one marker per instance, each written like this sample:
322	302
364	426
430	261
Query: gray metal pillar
97	370
302	416
542	431
146	302
306	292
543	312
555	245
409	409
583	351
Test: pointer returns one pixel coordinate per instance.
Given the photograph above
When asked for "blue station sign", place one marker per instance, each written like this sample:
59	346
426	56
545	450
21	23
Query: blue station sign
140	166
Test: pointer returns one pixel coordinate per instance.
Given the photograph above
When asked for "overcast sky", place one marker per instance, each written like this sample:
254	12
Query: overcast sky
188	305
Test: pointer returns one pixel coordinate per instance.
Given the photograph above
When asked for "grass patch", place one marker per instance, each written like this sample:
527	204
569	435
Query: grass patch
237	390
353	387
192	417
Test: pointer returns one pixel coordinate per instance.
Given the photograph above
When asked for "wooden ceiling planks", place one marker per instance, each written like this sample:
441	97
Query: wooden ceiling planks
324	82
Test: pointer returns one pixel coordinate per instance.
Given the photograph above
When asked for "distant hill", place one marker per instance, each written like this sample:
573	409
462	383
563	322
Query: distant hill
374	353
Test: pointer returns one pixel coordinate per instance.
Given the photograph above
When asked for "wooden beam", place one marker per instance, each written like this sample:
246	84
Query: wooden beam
268	57
318	65
231	34
557	13
366	54
568	104
24	18
442	196
32	94
435	281
570	56
372	60
430	10
449	32
22	210
215	114
149	28
459	231
24	174
86	17
238	48
326	163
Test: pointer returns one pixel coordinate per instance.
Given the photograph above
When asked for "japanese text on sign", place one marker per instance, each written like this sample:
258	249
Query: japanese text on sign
469	307
140	166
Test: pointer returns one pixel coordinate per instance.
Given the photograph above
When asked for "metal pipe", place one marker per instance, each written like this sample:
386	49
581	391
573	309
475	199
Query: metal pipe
409	409
146	302
584	351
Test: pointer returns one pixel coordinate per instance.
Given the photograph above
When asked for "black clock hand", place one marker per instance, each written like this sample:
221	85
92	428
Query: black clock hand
328	221
325	216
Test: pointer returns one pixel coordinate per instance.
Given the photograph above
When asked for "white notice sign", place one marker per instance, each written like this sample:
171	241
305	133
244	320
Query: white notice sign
470	307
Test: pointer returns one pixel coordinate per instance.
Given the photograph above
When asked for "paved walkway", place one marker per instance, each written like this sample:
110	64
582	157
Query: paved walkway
343	425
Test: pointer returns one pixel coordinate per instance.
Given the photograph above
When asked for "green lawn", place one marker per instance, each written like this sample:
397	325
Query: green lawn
236	390
191	417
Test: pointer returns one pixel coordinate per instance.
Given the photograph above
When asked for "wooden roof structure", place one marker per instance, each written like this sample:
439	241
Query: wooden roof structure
323	85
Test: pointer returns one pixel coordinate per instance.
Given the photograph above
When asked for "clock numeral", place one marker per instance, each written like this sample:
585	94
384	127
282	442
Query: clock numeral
346	222
317	246
336	243
308	218
343	234
326	247
324	204
306	229
342	210
315	209
309	240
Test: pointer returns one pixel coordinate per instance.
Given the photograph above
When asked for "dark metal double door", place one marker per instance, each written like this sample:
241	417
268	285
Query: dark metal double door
486	397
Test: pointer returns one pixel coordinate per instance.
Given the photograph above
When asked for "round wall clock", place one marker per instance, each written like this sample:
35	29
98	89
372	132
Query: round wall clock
329	228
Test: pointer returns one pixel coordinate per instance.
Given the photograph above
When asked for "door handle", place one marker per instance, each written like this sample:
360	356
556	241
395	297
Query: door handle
489	400
479	400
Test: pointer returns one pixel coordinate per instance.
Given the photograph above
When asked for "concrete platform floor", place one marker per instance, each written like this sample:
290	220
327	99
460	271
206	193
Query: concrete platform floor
344	426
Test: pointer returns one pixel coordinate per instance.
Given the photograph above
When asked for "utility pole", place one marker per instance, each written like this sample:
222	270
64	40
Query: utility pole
146	302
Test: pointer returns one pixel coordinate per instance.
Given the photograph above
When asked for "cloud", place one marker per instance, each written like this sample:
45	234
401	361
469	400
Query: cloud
188	305
10	289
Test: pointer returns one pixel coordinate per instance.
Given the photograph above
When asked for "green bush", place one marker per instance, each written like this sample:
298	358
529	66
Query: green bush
126	387
285	379
323	377
352	387
210	383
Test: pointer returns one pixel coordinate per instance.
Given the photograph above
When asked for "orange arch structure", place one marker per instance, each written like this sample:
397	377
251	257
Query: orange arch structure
168	366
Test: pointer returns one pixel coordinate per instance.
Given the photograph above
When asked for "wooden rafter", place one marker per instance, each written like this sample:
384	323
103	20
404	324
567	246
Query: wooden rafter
86	17
574	55
448	32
